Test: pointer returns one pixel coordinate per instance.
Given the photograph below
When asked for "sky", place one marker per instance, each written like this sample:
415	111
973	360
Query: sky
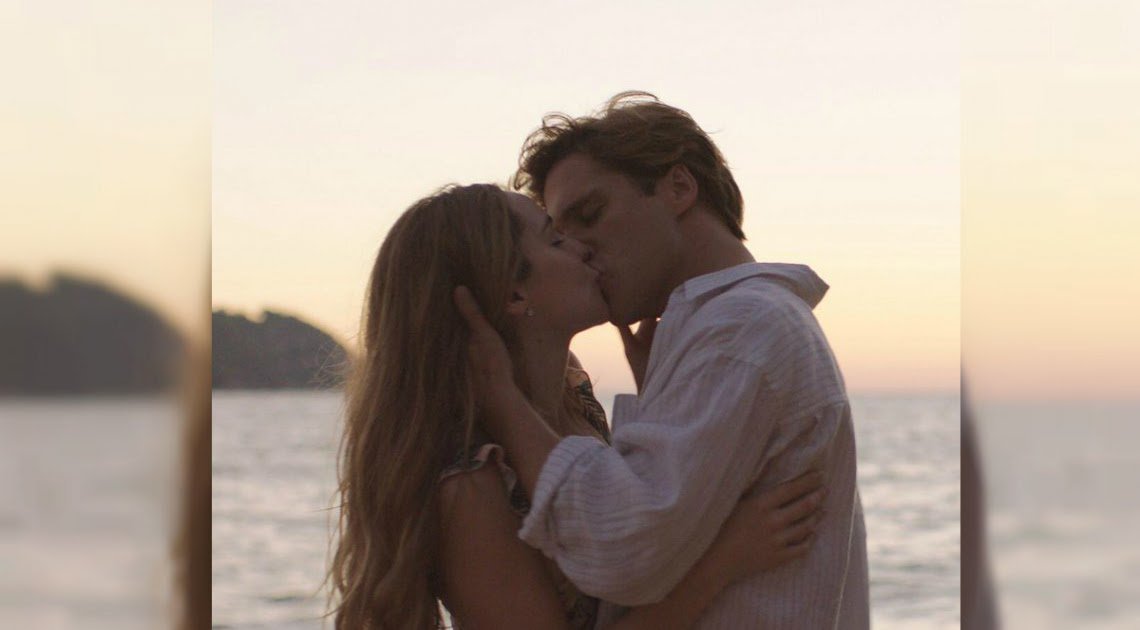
963	175
841	124
1050	156
105	171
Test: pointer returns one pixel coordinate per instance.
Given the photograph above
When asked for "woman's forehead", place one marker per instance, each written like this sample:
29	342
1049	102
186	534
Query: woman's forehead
526	209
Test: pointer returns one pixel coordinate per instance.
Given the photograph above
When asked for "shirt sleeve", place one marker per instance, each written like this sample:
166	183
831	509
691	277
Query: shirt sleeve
625	523
625	406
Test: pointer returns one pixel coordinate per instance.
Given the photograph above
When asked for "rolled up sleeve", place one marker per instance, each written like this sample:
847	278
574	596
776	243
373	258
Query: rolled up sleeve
625	523
625	406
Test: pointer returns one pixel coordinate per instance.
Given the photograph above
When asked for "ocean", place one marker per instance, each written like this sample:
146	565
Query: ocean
1064	512
87	500
87	497
274	474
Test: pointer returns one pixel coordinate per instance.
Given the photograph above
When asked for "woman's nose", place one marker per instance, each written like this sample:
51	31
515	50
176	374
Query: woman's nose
587	254
580	248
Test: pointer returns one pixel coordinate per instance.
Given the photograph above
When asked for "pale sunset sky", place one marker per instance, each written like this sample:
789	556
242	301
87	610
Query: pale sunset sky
954	171
1051	199
841	124
105	171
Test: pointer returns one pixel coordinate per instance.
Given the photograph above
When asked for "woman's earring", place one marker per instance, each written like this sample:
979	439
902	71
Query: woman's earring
530	311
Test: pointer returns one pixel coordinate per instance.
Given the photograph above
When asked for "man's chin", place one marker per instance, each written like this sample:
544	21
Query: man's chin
622	316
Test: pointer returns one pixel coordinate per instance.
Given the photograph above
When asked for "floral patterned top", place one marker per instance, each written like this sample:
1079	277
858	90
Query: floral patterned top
581	609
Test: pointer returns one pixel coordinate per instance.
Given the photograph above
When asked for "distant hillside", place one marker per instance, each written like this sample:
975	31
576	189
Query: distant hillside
280	352
82	337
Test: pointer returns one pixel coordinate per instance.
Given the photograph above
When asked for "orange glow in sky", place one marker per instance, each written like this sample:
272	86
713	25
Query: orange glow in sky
328	124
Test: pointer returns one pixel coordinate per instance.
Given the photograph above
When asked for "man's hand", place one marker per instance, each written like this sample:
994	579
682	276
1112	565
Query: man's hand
487	356
637	345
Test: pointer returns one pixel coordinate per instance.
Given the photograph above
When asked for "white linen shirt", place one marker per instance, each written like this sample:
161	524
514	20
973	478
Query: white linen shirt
741	393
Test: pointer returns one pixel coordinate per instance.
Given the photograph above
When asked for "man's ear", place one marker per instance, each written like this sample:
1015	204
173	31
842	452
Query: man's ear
679	189
518	302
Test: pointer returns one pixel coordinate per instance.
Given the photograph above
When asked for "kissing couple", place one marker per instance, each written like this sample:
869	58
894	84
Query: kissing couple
478	472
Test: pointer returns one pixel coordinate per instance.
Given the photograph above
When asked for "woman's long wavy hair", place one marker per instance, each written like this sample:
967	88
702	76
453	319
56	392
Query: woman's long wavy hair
410	404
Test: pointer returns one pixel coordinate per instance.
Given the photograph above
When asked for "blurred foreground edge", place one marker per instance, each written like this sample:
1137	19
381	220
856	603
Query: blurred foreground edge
978	601
192	552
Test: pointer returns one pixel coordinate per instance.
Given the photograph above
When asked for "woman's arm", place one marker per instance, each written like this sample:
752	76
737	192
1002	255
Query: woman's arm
491	579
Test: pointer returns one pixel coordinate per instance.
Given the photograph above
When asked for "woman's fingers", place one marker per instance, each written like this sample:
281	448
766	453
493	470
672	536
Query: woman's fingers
801	529
785	518
486	354
797	549
486	345
794	489
471	312
801	508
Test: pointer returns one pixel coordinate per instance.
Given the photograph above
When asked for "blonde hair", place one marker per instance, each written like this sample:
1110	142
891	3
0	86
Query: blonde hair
410	404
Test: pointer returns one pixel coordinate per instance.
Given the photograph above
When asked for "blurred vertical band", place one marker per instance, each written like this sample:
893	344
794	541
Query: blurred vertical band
104	314
978	608
192	549
1050	306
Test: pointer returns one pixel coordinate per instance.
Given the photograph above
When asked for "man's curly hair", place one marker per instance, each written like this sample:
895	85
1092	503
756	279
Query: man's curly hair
639	136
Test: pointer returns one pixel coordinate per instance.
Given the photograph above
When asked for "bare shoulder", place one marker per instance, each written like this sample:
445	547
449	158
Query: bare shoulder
469	494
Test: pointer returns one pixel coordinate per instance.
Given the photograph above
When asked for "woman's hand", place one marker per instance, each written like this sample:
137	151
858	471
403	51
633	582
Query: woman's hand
772	528
487	355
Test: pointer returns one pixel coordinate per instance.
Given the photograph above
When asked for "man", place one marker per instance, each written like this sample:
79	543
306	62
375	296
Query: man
737	387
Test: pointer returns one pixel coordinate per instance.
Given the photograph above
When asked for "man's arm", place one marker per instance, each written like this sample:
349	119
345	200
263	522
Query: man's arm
626	523
491	579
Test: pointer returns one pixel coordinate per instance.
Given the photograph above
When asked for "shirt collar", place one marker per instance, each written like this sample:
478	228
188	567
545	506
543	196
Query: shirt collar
799	279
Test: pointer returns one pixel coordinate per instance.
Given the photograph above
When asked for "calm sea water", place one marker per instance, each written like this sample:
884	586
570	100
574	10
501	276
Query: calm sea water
1064	512
86	497
274	459
87	491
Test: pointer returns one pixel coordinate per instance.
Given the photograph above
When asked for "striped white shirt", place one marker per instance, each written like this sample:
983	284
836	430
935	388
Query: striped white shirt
742	392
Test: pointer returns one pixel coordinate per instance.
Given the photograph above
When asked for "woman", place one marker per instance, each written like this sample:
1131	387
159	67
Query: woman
429	507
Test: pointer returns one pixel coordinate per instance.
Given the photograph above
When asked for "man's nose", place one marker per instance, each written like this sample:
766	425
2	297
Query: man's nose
584	251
